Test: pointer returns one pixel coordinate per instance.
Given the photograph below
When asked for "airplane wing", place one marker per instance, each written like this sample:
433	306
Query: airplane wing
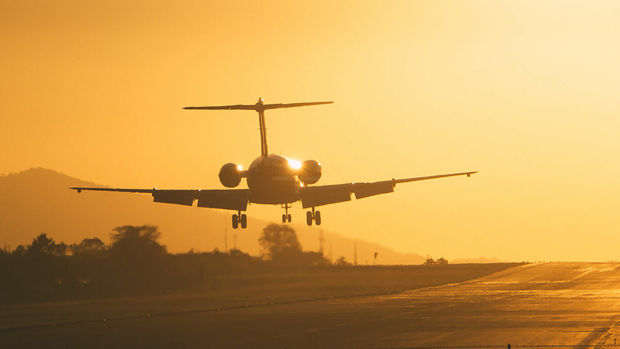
228	199
330	194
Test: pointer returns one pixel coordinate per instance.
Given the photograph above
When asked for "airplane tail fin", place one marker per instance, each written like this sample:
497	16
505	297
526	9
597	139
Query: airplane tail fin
259	107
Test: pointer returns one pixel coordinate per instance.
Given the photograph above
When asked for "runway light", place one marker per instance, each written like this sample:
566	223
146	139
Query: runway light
294	164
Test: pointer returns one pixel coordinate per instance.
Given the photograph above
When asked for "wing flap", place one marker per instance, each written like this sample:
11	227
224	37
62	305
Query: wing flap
331	194
327	194
228	199
236	199
179	197
364	190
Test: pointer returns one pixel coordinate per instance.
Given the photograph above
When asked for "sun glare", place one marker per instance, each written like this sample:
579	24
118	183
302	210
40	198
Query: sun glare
294	164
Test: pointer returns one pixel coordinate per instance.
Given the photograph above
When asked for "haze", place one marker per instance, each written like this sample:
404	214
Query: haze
525	92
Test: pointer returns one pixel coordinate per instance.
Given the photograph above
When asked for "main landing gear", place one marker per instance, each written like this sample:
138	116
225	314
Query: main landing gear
313	216
239	219
286	217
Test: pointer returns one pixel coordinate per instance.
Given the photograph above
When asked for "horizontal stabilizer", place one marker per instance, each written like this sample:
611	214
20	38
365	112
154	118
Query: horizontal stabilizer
225	107
291	105
257	107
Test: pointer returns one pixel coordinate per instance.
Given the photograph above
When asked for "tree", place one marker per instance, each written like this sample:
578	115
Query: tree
279	242
440	261
20	251
136	242
342	262
43	245
88	247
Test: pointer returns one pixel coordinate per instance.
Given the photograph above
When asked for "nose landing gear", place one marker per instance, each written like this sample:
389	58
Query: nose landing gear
286	217
313	216
239	219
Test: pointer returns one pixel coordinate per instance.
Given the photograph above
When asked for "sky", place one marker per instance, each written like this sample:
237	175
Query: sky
526	92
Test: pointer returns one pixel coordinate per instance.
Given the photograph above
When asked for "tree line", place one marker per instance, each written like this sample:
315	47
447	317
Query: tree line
136	263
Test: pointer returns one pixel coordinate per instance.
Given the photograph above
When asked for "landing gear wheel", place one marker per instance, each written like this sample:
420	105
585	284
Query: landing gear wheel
309	218
317	218
286	217
235	221
244	221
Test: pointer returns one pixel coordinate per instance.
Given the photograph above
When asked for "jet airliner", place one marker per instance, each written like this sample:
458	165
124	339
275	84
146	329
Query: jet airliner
272	179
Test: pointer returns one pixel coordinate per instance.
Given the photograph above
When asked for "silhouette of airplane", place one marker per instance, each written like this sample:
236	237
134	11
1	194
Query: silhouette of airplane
272	179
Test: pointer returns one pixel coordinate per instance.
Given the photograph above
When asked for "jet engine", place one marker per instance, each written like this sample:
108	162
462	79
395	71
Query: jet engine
230	175
310	172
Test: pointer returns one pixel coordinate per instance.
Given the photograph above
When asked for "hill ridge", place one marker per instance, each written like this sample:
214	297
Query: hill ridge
37	200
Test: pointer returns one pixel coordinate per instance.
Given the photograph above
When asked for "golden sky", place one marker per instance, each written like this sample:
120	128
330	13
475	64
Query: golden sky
524	91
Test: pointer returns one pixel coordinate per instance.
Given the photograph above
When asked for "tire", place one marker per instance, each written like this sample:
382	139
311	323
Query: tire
235	221
289	218
283	218
309	218
244	221
317	218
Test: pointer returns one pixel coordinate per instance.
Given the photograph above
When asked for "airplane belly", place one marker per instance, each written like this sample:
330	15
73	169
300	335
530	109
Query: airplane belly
273	190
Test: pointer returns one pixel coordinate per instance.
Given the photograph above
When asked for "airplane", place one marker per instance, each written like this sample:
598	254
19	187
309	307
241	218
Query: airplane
271	179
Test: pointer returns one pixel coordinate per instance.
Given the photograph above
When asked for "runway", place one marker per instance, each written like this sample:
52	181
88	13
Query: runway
536	304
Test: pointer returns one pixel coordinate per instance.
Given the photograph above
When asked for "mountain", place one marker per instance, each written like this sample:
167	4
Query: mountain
38	201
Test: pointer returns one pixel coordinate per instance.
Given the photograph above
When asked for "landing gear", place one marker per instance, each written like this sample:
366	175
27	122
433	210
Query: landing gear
244	221
239	219
286	217
313	216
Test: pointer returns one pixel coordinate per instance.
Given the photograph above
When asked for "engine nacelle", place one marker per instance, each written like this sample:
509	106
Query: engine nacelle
310	172
230	176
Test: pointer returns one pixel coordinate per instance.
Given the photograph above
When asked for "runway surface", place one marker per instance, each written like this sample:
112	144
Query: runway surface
537	304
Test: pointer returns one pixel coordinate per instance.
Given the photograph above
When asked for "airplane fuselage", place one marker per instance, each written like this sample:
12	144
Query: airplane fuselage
272	180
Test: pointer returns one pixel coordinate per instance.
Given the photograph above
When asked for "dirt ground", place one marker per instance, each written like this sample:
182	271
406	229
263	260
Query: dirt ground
571	304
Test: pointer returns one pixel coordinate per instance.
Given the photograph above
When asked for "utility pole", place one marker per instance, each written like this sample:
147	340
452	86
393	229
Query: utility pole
331	255
321	240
